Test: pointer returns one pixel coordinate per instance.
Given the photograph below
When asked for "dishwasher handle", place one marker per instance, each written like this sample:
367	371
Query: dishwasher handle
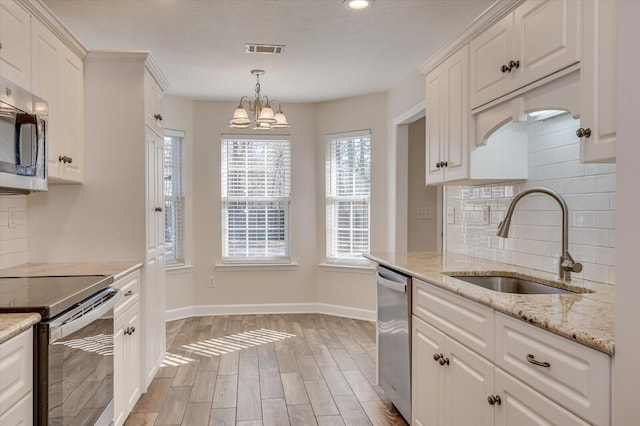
391	284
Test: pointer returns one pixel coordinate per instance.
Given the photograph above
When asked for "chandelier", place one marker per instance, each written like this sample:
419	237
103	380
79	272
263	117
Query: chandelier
262	116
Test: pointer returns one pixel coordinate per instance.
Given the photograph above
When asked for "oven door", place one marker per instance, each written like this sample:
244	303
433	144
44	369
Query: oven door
75	364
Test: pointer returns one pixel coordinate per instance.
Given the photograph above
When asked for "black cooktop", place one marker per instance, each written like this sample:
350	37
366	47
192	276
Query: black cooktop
48	296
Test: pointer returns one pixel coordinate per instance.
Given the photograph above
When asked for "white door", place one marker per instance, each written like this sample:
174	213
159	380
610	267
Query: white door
489	52
427	389
522	406
598	79
456	147
469	384
435	114
15	43
547	38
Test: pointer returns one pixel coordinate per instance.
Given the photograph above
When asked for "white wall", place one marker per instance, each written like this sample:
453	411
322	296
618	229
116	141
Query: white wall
103	219
534	240
14	231
626	410
421	233
337	286
237	286
178	115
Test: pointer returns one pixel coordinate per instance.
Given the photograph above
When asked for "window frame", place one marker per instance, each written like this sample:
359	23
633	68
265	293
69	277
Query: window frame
284	199
331	198
179	260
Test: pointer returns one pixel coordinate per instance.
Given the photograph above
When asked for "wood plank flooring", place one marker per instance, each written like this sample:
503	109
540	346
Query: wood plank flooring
231	370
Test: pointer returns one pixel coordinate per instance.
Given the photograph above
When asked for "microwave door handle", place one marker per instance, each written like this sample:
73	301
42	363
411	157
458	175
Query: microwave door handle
58	331
21	120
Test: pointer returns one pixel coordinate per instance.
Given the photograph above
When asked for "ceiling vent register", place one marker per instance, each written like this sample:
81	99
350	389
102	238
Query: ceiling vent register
268	49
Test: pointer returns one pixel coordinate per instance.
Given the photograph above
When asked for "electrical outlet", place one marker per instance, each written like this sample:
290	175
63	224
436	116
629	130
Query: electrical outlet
424	213
212	281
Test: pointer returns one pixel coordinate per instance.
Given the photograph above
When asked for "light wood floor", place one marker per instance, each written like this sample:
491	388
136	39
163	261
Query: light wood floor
324	375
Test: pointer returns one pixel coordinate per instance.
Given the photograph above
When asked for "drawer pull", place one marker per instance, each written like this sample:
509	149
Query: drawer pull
128	293
532	360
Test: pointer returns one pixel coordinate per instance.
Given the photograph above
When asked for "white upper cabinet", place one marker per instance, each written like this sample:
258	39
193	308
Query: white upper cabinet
598	79
539	38
153	104
447	92
15	51
57	75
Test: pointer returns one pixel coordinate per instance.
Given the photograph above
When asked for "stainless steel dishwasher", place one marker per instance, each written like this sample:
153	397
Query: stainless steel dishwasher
394	338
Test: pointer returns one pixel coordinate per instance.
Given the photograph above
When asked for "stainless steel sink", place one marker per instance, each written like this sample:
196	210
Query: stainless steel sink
504	284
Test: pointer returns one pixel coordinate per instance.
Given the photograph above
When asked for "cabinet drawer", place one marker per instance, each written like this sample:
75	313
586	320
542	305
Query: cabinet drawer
129	286
575	376
21	414
16	369
469	323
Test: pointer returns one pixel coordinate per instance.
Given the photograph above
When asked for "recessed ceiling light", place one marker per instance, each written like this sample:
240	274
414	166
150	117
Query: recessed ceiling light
356	4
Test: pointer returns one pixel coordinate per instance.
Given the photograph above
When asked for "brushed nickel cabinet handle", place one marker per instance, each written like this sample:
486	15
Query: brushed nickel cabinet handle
532	360
583	133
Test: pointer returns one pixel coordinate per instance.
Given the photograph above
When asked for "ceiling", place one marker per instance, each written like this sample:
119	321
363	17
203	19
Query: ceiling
330	53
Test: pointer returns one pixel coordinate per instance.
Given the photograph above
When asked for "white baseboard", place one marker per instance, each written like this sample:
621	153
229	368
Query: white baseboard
271	308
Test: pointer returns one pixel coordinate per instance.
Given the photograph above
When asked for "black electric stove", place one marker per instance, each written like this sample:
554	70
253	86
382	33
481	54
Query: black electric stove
48	296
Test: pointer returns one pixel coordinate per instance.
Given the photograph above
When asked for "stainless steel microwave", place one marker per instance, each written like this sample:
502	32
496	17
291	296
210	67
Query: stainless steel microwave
23	140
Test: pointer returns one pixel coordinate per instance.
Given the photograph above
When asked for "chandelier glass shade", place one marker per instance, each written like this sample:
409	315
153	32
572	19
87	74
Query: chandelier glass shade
257	113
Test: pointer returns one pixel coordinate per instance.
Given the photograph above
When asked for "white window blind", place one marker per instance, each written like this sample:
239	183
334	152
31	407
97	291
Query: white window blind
256	186
348	193
173	197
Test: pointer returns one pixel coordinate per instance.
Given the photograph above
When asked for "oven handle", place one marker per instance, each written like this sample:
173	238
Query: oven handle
61	327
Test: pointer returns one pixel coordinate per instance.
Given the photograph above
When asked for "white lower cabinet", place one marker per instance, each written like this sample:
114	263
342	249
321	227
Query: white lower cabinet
523	376
16	380
127	375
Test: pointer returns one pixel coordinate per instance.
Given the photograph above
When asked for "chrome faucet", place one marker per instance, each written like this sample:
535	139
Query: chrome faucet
566	263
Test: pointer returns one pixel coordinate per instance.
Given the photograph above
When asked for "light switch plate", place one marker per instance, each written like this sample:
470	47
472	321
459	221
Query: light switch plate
424	213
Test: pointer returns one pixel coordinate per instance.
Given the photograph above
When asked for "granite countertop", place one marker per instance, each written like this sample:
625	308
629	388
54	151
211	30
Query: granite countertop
13	324
586	317
117	269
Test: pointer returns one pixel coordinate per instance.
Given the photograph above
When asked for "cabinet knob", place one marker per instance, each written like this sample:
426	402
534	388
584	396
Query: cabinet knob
436	357
514	64
438	164
505	68
159	209
128	293
445	164
133	330
443	360
583	133
64	159
493	400
532	360
157	117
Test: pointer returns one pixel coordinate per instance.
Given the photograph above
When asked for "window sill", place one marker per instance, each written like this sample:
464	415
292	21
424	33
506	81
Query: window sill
256	266
339	267
177	268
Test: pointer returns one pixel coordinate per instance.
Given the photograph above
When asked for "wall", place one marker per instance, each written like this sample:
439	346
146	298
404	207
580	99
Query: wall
237	287
14	231
421	233
626	374
534	240
342	286
103	219
178	115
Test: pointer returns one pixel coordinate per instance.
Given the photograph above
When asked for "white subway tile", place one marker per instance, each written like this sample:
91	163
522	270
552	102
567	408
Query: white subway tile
606	183
606	219
572	169
594	272
582	185
582	219
533	261
605	256
583	253
612	201
596	169
612	275
595	237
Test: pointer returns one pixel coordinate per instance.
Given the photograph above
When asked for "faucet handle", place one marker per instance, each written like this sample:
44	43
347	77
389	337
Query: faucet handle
577	267
568	264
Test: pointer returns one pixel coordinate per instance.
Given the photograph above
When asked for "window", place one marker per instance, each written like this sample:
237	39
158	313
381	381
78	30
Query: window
173	197
348	192
256	186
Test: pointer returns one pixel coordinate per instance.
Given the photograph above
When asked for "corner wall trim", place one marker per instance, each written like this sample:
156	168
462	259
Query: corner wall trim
271	308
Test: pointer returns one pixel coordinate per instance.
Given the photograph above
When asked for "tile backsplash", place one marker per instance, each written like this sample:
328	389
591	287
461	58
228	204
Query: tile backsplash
13	231
473	213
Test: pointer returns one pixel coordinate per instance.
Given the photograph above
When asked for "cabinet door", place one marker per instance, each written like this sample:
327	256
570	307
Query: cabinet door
522	406
71	114
547	38
120	371
489	51
456	147
598	79
132	360
152	104
20	414
469	382
152	189
435	116
15	49
427	382
45	50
